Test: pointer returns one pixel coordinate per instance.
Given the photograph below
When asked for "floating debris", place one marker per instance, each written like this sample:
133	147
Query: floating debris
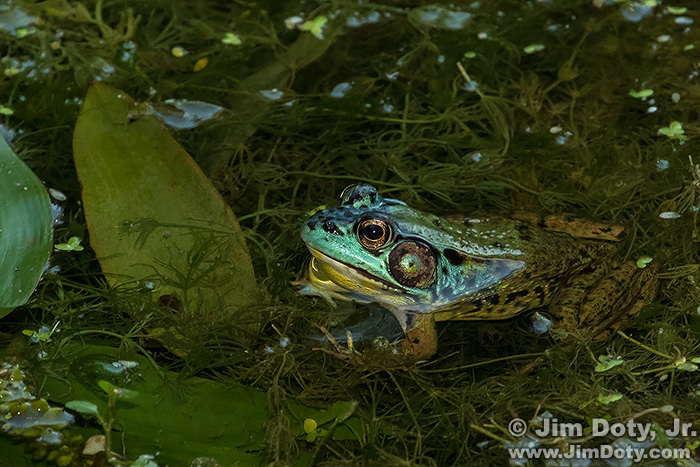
273	94
439	17
183	114
339	91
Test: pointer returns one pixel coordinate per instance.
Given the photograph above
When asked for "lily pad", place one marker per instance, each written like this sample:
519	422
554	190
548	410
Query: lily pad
153	217
26	232
180	419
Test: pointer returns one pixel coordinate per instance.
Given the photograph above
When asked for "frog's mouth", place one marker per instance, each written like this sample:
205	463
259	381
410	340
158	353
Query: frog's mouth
325	268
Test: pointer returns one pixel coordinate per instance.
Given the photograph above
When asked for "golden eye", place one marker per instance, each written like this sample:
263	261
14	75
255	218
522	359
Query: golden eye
373	233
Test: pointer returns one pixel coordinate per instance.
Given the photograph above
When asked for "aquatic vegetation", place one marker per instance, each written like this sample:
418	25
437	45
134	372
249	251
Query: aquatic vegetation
571	128
25	230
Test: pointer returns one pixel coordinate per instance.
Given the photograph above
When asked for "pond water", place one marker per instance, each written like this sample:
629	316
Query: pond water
480	108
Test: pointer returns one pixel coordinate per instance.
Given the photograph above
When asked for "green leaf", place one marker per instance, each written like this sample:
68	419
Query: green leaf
231	39
642	94
26	231
118	392
674	131
153	216
84	407
73	244
314	26
181	418
643	261
610	398
607	363
533	48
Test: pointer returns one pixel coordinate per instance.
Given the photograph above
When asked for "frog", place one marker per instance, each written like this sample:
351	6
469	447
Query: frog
425	268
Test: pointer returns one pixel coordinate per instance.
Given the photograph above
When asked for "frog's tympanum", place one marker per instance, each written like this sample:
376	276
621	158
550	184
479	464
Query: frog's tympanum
425	268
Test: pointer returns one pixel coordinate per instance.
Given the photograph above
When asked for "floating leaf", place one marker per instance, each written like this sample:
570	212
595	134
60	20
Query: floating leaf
231	39
682	364
83	407
674	131
642	94
119	393
26	231
607	362
610	398
314	26
153	216
310	425
533	48
73	244
161	419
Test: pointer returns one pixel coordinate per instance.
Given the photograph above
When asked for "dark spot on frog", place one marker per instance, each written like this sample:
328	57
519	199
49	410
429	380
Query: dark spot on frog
445	271
513	295
437	223
331	228
453	256
347	214
478	304
540	293
311	225
493	299
496	245
373	197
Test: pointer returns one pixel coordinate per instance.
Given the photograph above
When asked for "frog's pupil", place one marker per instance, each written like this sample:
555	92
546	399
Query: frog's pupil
373	232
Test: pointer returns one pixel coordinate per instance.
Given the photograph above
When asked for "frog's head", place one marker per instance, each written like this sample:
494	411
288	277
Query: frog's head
372	249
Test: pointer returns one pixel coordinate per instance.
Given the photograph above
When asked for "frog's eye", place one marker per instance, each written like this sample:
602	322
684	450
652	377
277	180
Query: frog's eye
373	233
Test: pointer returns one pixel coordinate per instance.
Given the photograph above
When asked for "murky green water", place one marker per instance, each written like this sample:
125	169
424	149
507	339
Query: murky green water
587	108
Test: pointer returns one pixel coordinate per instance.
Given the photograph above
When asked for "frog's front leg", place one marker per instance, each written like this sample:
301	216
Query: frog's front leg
420	341
599	302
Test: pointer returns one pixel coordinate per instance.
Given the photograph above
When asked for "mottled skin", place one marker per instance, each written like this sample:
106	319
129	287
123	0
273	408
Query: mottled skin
426	268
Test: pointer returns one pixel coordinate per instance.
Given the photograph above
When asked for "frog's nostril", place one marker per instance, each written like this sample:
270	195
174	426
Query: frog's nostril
311	224
331	228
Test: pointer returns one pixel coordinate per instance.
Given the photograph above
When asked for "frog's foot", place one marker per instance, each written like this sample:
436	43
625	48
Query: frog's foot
598	303
418	344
